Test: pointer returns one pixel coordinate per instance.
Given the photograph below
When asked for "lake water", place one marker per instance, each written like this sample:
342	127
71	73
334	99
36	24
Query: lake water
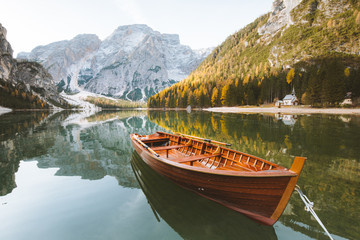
72	175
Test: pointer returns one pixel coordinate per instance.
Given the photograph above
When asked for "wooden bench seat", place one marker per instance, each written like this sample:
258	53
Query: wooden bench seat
195	158
167	148
151	140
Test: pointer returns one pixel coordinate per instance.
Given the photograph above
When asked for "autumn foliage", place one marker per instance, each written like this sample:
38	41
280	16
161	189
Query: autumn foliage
18	98
248	69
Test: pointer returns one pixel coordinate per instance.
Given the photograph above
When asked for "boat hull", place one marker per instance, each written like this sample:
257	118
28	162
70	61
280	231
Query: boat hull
260	198
193	217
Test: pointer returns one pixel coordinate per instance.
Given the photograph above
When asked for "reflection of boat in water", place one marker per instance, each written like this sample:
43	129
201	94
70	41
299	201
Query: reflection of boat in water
253	186
192	216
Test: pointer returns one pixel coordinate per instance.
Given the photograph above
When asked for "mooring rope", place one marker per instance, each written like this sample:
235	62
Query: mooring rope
309	208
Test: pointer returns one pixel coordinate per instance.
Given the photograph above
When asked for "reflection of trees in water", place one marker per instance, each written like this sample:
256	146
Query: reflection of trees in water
330	177
22	136
15	123
95	152
265	136
103	148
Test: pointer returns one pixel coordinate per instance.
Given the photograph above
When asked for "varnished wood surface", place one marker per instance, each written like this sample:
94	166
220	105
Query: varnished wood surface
261	195
193	217
195	158
155	139
168	147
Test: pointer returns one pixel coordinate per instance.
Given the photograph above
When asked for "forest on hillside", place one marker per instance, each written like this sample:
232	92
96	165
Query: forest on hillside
323	82
318	57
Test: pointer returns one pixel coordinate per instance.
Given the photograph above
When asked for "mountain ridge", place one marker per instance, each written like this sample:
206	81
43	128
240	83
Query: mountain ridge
25	84
132	63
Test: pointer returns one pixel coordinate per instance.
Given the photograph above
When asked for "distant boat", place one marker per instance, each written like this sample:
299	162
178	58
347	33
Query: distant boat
247	184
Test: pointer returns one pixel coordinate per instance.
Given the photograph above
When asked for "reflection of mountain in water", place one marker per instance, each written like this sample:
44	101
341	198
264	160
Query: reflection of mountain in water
91	150
99	145
22	136
192	216
330	177
96	151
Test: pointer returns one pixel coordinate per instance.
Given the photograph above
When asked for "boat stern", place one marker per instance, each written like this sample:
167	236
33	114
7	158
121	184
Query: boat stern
298	165
296	168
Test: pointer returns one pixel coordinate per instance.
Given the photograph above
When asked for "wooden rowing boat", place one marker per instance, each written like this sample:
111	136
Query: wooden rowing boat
190	215
253	186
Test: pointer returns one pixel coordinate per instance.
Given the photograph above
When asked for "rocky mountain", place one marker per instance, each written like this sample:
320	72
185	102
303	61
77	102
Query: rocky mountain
24	84
311	46
7	63
133	63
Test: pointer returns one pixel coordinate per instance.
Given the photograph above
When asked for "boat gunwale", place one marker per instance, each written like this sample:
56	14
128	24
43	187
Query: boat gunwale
233	150
239	152
282	172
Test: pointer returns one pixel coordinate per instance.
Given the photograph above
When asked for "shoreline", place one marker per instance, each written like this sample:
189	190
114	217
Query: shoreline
286	110
241	109
4	110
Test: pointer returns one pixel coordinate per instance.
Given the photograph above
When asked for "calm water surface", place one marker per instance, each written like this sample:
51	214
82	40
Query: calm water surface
75	176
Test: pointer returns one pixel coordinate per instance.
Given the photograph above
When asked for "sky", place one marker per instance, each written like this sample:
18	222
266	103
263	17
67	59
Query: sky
199	23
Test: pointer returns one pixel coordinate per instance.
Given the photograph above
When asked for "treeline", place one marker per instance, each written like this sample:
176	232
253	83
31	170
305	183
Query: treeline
111	103
320	61
18	98
323	81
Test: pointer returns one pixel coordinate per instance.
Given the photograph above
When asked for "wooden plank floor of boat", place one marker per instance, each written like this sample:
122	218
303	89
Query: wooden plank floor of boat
174	154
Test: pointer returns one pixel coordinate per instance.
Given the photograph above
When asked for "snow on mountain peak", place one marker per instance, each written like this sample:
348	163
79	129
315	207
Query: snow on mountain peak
133	63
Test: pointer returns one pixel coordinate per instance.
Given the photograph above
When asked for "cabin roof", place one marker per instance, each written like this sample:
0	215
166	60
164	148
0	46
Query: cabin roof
289	97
